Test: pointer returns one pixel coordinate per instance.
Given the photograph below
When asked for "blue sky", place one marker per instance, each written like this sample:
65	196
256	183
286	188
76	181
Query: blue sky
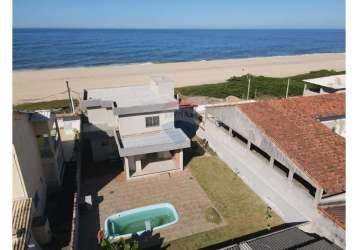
179	13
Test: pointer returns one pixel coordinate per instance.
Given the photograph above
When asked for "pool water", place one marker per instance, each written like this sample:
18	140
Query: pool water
141	219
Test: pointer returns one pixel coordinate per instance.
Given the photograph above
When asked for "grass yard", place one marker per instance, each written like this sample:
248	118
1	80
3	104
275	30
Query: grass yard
64	105
243	211
261	86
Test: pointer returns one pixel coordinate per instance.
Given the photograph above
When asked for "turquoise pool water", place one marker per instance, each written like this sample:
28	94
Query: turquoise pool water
138	220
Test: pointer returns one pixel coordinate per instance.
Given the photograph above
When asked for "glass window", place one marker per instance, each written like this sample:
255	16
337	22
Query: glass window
152	121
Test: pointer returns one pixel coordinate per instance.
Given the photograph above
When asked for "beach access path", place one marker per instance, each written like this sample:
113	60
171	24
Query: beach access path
49	84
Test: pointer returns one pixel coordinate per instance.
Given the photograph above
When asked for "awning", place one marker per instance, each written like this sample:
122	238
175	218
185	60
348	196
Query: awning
158	141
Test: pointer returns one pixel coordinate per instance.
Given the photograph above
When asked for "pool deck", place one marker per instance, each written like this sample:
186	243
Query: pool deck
112	193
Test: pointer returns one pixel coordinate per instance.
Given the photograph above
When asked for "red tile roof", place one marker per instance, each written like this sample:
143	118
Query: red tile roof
336	213
293	126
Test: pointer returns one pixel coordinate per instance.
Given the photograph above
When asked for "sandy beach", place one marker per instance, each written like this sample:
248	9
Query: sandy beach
47	84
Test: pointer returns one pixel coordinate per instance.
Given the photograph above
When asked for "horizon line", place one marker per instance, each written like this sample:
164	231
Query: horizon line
177	28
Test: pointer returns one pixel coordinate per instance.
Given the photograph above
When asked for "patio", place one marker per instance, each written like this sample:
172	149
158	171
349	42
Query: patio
112	193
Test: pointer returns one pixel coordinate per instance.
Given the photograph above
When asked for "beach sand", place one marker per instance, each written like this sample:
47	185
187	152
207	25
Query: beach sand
40	85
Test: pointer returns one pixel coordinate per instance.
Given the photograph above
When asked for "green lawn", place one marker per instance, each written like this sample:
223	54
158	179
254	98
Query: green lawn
260	86
243	211
55	104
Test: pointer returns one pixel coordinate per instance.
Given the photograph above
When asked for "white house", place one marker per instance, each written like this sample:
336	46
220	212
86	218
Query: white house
136	122
291	152
324	85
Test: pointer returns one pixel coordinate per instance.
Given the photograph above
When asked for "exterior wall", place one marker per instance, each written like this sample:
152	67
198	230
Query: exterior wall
28	164
101	116
53	165
18	185
103	148
288	200
338	126
178	159
136	124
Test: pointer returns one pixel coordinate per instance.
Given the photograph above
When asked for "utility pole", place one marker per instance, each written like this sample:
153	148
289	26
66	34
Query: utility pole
288	86
248	88
70	97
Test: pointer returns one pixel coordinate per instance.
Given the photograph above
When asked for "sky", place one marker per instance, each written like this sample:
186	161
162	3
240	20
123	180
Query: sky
201	14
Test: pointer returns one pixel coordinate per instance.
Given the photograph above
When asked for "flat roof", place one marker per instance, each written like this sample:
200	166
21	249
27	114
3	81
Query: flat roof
158	141
129	96
333	82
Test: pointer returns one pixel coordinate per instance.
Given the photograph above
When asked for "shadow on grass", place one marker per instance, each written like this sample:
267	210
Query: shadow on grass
148	240
253	235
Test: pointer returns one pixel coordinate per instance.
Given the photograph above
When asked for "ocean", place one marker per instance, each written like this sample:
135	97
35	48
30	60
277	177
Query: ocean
59	48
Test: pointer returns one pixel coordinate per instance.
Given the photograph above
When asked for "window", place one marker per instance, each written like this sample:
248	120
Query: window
239	137
259	151
282	168
36	199
305	184
152	121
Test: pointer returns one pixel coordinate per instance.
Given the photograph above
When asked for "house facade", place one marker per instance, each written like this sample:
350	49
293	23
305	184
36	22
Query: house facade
29	175
135	123
287	154
46	130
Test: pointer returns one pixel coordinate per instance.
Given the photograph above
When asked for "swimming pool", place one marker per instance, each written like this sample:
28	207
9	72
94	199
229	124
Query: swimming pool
139	220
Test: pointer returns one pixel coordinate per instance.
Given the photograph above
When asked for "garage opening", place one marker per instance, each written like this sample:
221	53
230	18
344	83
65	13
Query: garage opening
239	137
282	169
260	152
301	182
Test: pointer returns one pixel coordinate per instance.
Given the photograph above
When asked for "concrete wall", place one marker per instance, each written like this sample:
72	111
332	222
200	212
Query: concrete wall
28	162
136	124
337	125
104	149
18	186
101	116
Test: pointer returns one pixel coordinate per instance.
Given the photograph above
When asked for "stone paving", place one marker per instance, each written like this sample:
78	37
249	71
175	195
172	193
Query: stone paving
112	193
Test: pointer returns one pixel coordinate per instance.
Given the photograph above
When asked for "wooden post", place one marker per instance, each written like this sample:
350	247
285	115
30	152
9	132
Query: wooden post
288	86
248	89
70	97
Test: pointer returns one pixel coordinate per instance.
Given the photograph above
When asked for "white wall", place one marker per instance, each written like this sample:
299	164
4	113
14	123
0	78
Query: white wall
136	124
28	161
101	116
338	126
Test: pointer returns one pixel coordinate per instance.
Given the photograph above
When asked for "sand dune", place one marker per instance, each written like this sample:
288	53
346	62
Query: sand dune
39	85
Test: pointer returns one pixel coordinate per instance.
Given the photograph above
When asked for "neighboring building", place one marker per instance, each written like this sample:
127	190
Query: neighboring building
324	85
48	138
29	176
284	150
138	123
69	126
